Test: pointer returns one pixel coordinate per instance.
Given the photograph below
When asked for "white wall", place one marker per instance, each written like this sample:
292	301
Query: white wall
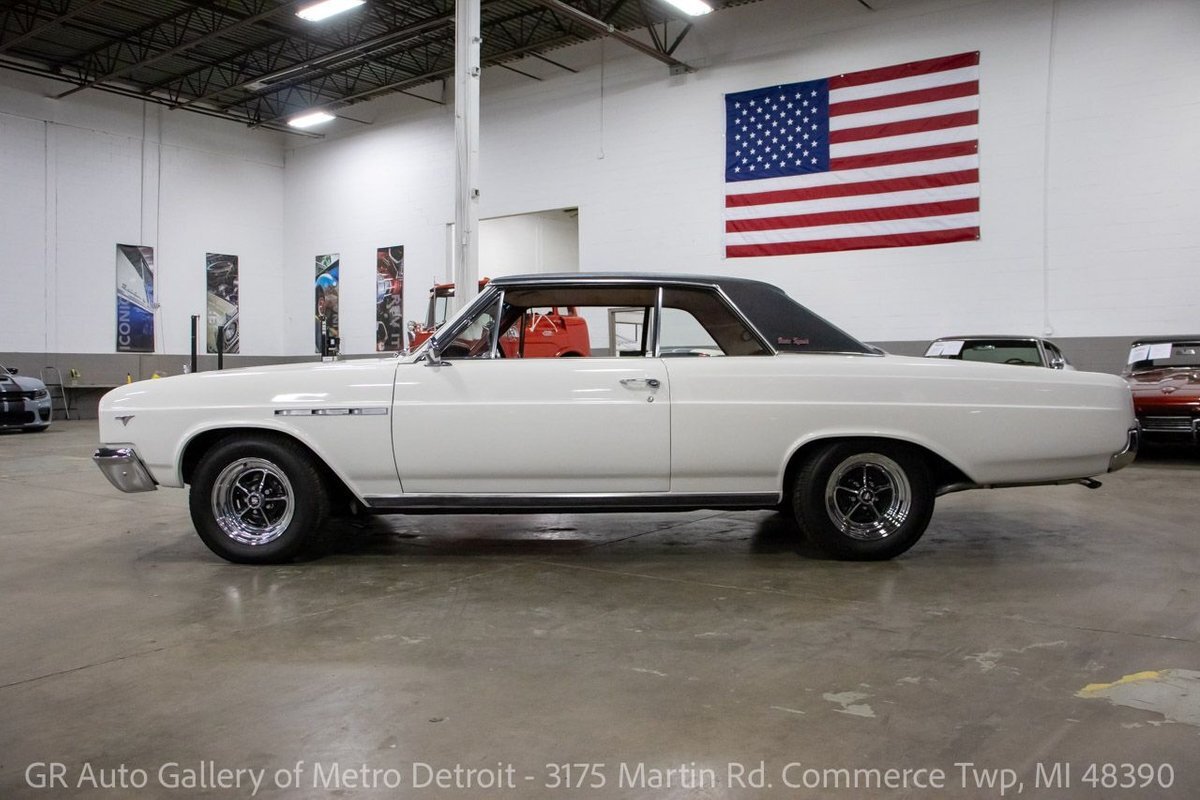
543	241
1090	115
79	176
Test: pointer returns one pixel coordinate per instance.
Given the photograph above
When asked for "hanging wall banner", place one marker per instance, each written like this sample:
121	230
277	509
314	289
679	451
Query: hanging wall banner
327	298
135	299
221	273
389	298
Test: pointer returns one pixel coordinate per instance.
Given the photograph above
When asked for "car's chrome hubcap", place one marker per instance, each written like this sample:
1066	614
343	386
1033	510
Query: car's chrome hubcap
868	496
252	501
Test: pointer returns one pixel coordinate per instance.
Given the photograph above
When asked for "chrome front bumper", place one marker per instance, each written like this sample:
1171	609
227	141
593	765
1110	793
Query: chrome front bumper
1125	457
124	469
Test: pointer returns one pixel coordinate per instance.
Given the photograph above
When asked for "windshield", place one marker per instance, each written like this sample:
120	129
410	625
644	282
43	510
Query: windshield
450	324
1163	355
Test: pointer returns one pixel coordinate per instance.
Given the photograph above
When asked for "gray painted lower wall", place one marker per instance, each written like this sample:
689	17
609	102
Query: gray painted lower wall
99	372
1093	354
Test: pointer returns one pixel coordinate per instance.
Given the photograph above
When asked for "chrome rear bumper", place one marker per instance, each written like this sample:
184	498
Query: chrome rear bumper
124	469
1125	457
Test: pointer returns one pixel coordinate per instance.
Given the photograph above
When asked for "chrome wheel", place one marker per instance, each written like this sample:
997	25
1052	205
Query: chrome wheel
868	496
252	501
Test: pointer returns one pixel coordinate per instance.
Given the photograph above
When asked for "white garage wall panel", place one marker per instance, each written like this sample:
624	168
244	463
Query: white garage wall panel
540	242
23	232
77	177
1089	118
391	185
1090	114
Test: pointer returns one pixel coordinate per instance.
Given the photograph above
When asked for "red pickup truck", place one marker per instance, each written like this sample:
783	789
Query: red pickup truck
548	332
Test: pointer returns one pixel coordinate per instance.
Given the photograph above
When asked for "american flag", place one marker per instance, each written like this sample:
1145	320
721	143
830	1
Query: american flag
880	158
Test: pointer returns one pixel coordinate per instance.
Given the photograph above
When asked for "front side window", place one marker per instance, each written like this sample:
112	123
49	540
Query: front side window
600	321
474	338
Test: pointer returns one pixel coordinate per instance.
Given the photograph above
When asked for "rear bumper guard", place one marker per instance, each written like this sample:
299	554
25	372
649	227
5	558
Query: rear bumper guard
1125	457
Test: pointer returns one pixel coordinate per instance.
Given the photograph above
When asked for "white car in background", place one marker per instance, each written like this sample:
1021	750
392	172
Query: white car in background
1022	351
727	394
24	402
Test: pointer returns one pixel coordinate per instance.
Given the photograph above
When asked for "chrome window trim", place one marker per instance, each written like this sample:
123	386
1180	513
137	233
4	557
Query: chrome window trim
494	345
460	322
500	285
658	309
737	312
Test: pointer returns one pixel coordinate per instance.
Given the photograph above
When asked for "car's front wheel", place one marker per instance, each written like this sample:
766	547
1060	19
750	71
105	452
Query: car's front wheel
258	500
864	500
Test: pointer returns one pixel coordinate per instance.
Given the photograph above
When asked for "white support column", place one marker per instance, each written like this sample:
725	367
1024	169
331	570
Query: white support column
465	269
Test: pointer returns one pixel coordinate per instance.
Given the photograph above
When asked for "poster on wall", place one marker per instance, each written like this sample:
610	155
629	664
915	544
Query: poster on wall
221	276
135	299
327	300
885	157
389	298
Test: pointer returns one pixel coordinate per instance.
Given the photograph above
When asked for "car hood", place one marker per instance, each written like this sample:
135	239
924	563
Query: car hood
22	383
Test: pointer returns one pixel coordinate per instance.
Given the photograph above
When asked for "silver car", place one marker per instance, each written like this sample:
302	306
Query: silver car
24	402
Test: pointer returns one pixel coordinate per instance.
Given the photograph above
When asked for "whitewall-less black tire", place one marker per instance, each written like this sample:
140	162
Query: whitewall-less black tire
864	500
258	499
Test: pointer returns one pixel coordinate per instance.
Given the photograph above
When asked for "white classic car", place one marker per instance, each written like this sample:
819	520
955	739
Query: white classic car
700	392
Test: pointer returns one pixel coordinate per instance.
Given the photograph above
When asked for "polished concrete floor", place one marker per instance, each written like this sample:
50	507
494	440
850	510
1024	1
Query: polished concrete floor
622	645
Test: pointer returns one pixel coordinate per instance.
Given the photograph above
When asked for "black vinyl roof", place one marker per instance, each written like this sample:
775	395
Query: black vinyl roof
785	324
256	62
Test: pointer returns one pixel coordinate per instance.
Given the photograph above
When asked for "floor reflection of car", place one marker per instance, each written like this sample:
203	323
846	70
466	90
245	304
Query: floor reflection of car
1025	351
24	402
1164	375
730	396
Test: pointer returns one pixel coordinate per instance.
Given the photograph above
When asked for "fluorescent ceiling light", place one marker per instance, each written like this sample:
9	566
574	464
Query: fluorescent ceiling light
310	119
693	8
327	8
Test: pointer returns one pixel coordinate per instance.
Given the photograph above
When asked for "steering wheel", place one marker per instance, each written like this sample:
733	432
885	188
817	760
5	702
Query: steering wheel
1014	361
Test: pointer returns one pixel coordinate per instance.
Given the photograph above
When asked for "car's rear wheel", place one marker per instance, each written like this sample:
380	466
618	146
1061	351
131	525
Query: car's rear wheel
864	500
258	500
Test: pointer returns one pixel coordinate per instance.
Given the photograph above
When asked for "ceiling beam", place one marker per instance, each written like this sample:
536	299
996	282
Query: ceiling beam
359	50
29	69
33	33
587	20
217	31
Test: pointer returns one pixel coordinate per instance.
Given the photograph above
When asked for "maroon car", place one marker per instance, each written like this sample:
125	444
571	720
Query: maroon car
1164	374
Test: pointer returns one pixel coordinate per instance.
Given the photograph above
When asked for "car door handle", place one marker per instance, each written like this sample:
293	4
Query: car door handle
651	383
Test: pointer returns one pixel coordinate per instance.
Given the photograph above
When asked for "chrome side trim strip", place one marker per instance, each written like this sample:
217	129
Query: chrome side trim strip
373	411
571	503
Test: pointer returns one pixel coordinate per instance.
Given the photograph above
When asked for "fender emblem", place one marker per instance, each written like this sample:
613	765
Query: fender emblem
125	419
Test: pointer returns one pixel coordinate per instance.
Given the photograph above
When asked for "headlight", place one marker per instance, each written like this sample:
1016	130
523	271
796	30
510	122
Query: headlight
41	394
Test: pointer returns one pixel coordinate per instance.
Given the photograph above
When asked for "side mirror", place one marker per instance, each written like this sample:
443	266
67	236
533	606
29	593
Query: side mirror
1058	363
